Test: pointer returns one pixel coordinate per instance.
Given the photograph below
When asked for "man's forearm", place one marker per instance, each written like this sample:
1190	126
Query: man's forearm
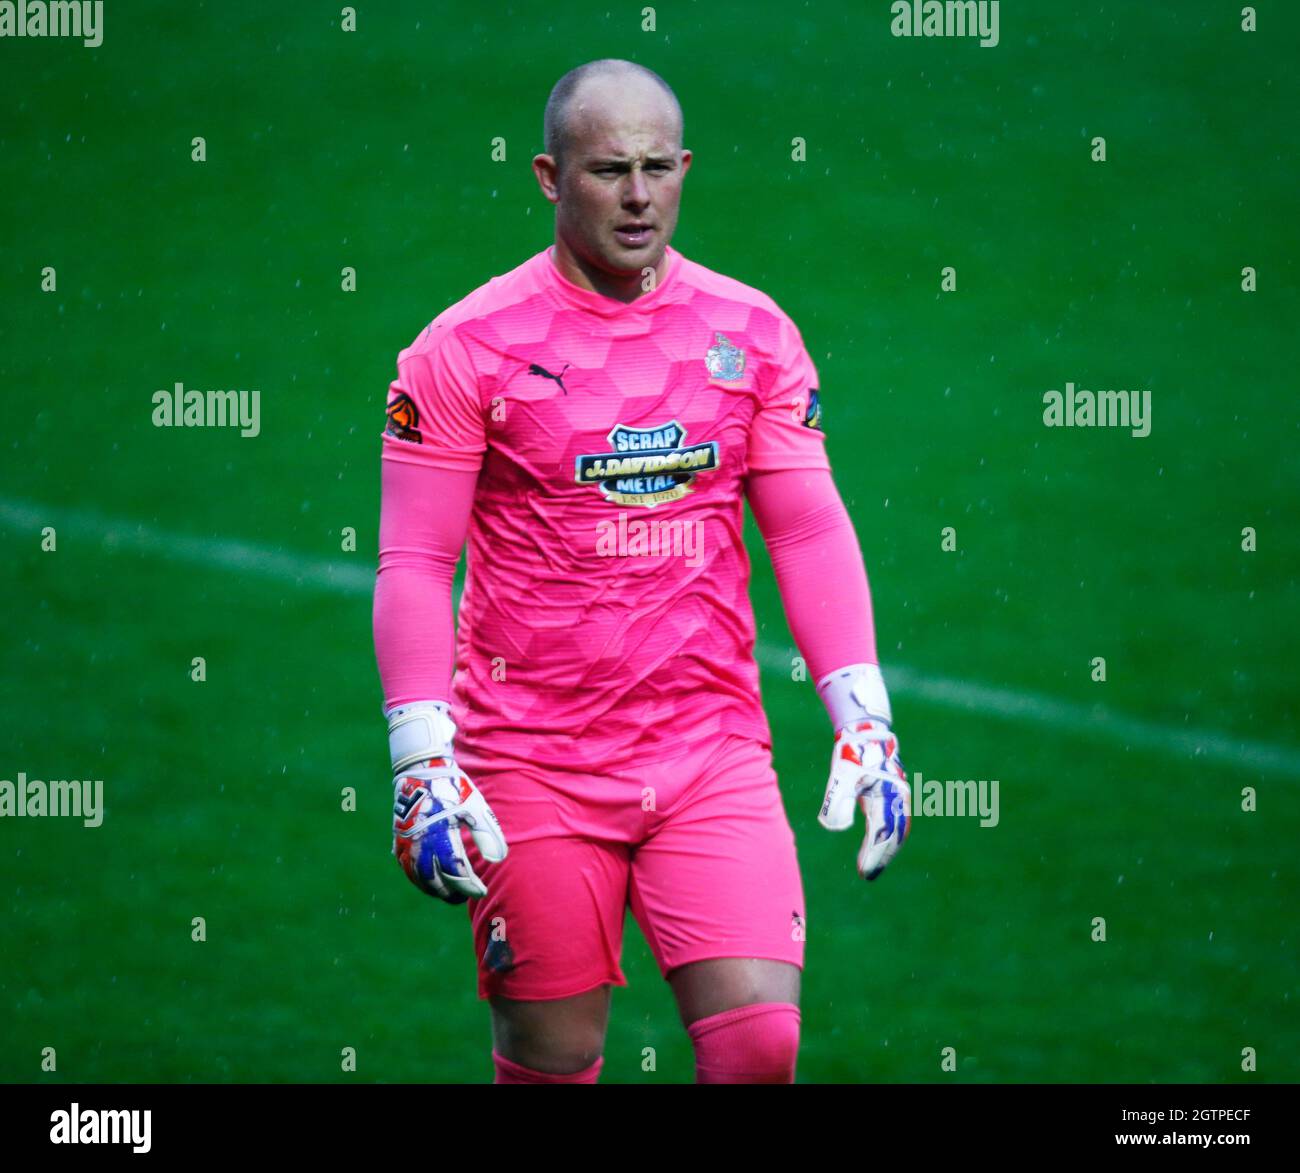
819	568
423	519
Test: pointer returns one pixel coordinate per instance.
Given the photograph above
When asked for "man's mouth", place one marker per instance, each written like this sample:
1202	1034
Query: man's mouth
635	234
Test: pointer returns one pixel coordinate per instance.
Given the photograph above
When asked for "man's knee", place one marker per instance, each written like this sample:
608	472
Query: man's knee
563	1037
750	1044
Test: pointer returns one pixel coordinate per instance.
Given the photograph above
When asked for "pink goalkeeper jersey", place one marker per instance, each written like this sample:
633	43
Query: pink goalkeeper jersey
606	617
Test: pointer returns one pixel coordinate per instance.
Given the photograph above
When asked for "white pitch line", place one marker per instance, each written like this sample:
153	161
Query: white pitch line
987	700
118	534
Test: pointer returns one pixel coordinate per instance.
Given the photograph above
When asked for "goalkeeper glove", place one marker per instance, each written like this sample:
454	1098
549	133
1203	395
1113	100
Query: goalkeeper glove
432	800
865	769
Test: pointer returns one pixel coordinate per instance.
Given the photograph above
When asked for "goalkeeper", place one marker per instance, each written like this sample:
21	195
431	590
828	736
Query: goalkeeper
601	744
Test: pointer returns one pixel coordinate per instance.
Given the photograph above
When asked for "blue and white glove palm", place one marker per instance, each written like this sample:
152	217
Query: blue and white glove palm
433	799
865	768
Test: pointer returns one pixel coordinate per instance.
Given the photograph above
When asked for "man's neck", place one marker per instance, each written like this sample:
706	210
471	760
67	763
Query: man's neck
624	287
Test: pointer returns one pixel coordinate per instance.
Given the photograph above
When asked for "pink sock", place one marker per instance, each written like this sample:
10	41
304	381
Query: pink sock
511	1072
751	1044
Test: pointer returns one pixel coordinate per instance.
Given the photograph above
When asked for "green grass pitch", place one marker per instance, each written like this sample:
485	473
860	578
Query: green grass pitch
372	149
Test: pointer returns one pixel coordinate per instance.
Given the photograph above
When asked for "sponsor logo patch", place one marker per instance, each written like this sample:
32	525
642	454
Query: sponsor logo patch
813	416
403	419
647	466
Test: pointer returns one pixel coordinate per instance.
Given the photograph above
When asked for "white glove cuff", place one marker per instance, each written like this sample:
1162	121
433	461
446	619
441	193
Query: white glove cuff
855	693
418	731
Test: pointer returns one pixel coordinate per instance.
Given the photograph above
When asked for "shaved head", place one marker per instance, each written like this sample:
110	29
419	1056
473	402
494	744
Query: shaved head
584	89
613	168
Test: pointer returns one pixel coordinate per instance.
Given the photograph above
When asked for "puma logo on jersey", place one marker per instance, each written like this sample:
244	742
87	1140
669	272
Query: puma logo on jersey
537	369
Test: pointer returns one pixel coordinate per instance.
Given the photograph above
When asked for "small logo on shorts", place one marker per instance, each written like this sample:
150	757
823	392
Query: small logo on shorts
498	956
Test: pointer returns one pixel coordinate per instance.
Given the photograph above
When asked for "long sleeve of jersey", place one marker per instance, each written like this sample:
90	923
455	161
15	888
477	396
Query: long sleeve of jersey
423	519
818	566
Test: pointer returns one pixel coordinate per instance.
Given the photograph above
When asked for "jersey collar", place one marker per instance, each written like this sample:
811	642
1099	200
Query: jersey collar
598	303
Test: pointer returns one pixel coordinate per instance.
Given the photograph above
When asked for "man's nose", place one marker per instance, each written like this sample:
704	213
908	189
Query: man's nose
636	192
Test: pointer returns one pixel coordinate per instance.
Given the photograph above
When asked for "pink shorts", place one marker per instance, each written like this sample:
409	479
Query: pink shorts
699	847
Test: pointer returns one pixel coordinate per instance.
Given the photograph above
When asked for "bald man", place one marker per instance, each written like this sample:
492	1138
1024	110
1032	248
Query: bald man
592	422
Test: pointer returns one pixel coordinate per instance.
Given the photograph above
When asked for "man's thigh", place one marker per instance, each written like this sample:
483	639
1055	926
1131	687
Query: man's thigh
551	925
548	935
718	878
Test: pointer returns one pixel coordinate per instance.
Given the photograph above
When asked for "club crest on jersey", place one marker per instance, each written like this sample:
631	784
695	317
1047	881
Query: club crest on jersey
647	466
724	360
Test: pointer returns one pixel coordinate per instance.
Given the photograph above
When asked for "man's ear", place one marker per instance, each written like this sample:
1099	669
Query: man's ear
686	161
548	177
